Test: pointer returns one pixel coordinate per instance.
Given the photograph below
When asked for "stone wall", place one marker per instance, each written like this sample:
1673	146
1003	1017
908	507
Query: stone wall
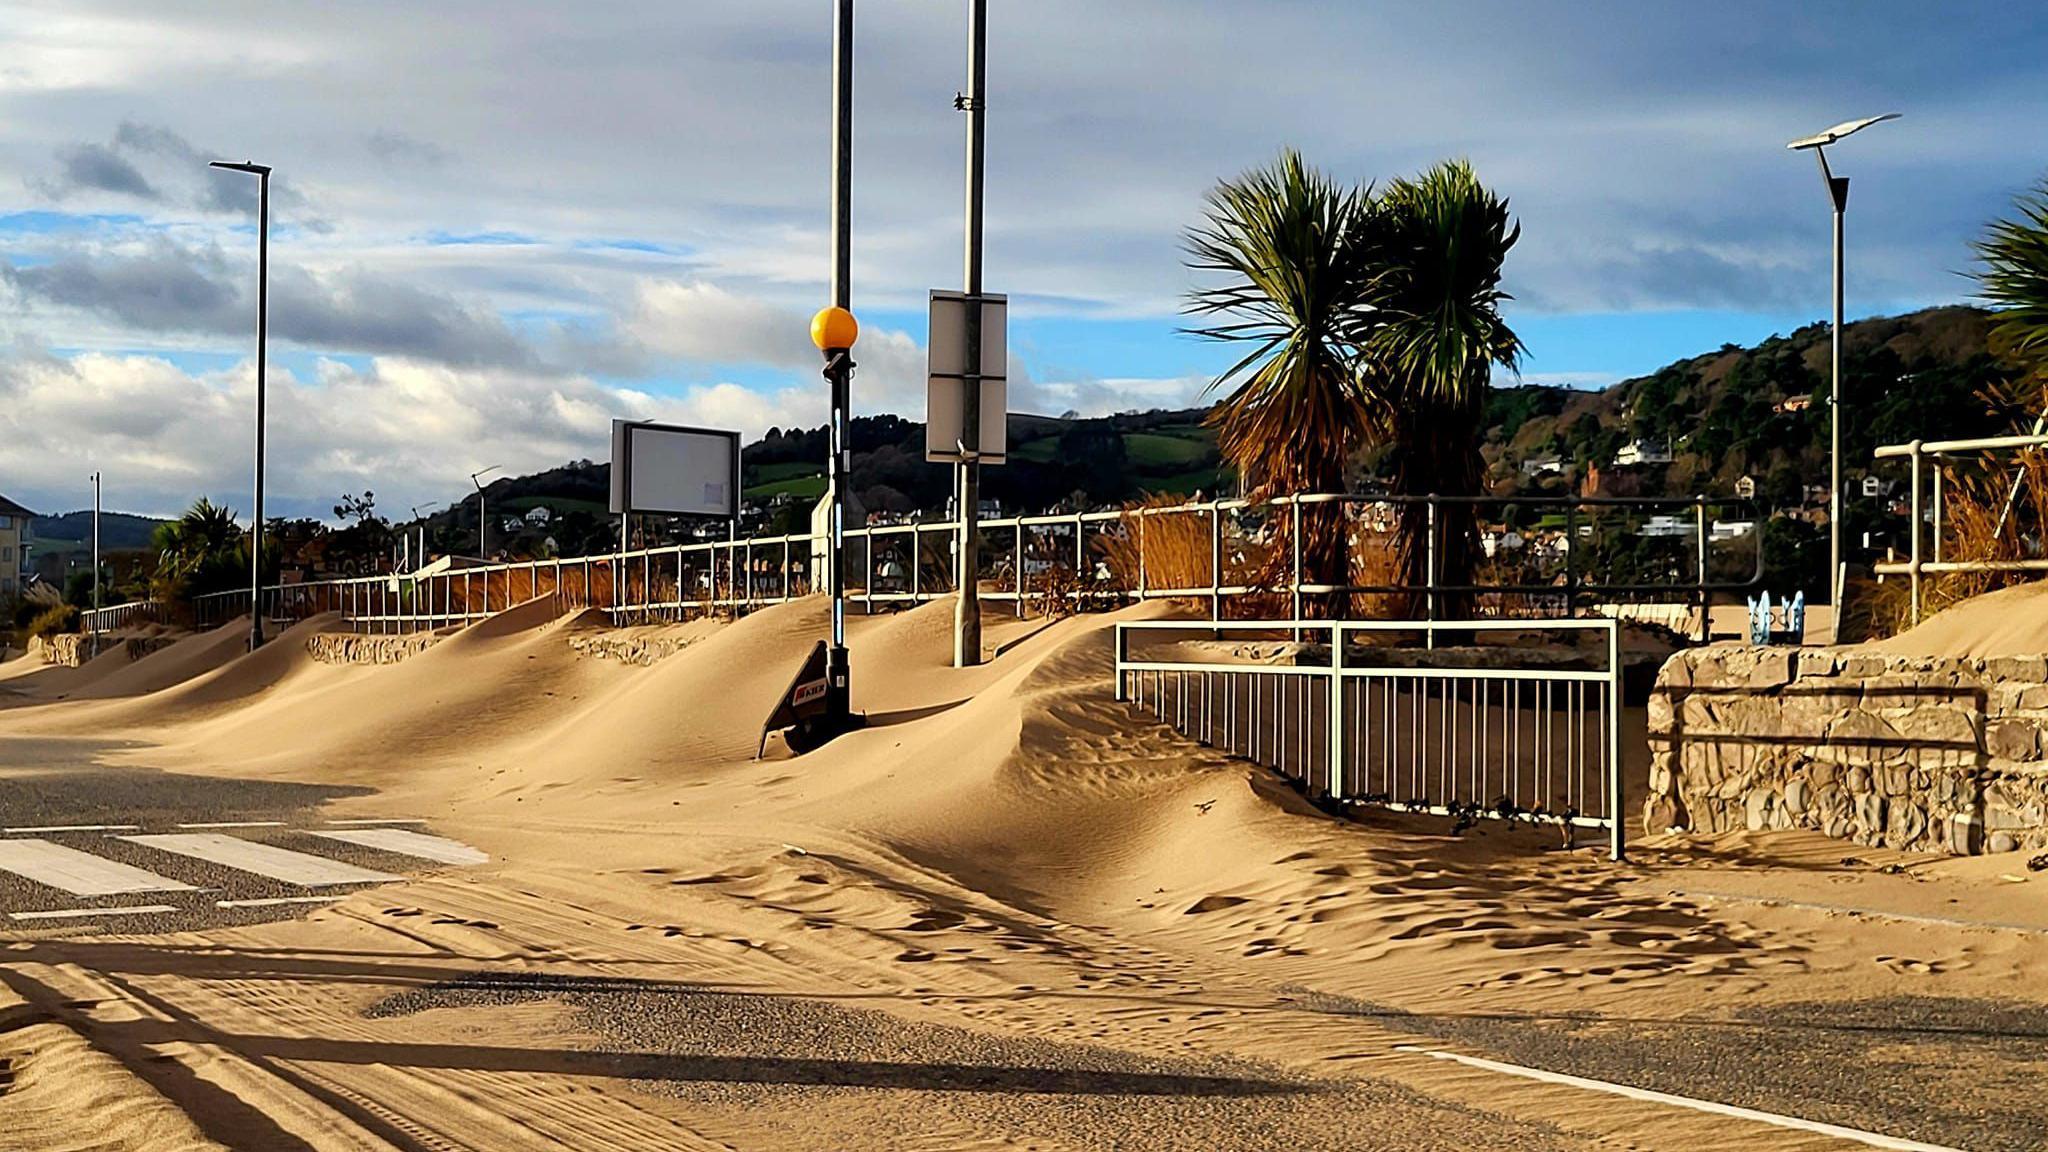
350	648
1918	753
65	650
627	648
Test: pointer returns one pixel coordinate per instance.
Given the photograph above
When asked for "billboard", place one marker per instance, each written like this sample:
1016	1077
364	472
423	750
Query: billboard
671	470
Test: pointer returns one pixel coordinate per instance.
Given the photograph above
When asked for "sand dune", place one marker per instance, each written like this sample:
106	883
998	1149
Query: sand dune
1005	850
2009	622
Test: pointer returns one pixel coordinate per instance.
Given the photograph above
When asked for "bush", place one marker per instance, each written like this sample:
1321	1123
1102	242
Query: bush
54	620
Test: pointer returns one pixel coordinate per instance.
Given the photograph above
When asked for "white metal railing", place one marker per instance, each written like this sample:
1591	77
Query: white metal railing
911	563
96	621
1923	521
1355	723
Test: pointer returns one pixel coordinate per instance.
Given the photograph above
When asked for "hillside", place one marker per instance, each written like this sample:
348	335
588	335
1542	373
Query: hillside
1735	412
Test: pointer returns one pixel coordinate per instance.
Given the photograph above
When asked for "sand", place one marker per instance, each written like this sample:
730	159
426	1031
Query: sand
1007	914
2009	622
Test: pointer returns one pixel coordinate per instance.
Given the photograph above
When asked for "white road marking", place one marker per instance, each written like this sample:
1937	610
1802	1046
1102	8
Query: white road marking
1873	1139
237	824
380	820
274	901
301	868
409	843
70	913
79	873
75	828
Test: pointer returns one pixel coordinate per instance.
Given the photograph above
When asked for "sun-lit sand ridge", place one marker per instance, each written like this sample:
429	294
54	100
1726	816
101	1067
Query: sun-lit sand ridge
1004	849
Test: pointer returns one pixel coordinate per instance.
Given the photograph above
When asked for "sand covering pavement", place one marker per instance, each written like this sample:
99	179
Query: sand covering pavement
1008	914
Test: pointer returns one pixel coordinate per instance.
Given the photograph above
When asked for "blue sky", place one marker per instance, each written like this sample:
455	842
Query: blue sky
497	226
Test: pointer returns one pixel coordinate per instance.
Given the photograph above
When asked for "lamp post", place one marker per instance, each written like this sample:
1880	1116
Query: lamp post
483	526
95	564
262	174
833	330
420	561
1838	195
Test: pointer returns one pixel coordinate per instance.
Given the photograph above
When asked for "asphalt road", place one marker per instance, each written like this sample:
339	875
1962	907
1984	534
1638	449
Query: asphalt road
48	784
1955	1072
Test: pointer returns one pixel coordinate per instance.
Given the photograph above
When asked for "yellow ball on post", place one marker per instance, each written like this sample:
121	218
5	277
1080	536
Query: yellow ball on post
834	329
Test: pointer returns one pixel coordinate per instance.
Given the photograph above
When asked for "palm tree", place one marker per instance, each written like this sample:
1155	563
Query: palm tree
1374	320
2015	279
1434	337
198	552
1293	253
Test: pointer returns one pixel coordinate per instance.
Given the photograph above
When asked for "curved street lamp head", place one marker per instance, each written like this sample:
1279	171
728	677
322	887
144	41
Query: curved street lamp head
477	476
248	166
1845	128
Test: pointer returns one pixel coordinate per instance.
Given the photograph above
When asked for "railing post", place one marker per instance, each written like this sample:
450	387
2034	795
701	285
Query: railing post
1940	478
1617	818
1294	514
1020	567
1216	560
1117	659
1699	512
1571	568
1141	555
1429	570
1335	736
1914	552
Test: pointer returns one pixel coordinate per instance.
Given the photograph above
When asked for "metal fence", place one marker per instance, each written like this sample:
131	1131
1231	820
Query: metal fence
1361	722
1229	553
97	621
1929	521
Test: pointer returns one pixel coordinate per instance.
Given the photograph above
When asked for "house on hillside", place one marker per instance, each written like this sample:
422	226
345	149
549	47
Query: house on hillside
539	515
1535	466
1745	487
1640	452
14	541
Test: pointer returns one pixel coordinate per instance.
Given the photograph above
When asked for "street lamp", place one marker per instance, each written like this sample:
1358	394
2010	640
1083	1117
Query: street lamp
95	564
1838	194
834	330
262	174
483	527
420	561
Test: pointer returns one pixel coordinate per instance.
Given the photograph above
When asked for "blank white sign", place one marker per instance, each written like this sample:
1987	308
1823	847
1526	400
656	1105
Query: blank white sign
674	471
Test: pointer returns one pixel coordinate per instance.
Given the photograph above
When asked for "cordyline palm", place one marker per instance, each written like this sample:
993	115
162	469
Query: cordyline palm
1434	336
1293	253
1374	321
2015	280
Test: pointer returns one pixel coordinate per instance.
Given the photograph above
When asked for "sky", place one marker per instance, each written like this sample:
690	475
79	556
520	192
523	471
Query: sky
497	226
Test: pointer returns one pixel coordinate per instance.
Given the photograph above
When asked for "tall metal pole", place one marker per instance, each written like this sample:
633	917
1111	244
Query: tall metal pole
1838	191
95	564
838	691
262	363
967	606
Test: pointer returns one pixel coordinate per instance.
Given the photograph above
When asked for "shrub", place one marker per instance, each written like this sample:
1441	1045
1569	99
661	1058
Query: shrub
54	620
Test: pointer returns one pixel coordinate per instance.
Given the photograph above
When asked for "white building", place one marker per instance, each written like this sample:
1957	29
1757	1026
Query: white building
1637	452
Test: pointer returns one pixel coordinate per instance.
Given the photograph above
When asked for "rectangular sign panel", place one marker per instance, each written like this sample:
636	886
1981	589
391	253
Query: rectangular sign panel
670	470
945	426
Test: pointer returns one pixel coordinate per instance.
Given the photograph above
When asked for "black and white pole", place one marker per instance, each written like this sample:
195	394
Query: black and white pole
262	174
483	524
967	485
834	330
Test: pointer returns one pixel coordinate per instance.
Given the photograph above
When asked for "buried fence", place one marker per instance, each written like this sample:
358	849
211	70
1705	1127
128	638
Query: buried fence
1568	555
1478	731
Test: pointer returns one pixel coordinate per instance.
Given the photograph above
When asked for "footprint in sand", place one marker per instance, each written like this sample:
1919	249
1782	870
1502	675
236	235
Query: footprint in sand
1906	965
1214	904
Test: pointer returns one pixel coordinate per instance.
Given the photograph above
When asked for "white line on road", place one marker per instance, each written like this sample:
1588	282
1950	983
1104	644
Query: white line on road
237	824
1873	1139
79	873
75	828
69	913
274	901
301	868
409	843
381	820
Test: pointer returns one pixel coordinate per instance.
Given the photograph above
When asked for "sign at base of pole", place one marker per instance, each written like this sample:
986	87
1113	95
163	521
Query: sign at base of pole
802	713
